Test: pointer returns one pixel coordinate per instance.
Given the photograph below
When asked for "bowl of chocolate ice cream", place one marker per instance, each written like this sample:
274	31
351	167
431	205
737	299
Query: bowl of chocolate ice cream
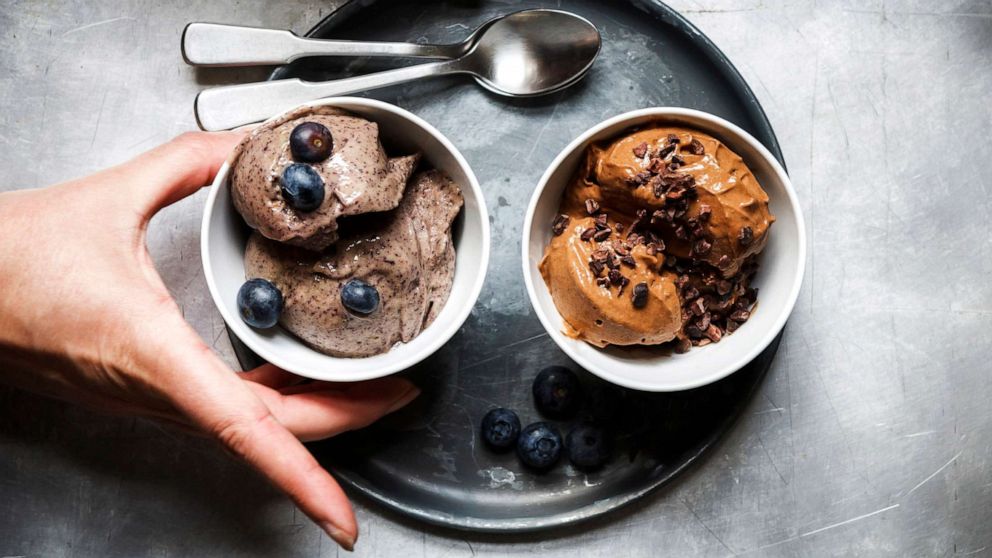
345	240
664	249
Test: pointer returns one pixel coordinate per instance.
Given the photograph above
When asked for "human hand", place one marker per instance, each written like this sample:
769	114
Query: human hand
85	317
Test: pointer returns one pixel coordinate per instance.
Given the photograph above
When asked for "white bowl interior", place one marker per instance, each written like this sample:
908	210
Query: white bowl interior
225	234
778	278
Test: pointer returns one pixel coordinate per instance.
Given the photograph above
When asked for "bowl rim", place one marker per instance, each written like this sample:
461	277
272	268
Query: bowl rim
581	142
447	329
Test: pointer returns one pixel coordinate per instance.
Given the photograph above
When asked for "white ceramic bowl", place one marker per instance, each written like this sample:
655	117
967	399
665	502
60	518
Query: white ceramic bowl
778	278
225	233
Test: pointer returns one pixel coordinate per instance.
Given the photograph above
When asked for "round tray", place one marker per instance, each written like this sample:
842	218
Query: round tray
426	461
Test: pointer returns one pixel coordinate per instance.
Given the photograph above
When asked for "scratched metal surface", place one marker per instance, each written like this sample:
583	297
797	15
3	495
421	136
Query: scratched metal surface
871	434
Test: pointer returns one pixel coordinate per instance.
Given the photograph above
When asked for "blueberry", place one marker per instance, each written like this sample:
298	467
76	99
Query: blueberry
589	447
359	297
302	187
259	303
557	393
311	142
500	428
539	445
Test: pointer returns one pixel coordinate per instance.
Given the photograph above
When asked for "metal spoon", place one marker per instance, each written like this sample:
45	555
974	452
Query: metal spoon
523	54
219	45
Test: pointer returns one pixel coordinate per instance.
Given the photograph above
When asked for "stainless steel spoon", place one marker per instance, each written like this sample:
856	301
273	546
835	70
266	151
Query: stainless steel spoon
219	45
523	54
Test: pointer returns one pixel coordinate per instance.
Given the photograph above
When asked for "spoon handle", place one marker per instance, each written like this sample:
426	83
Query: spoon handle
222	108
214	44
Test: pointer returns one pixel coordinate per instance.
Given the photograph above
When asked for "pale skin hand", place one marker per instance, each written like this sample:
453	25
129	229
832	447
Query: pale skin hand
85	317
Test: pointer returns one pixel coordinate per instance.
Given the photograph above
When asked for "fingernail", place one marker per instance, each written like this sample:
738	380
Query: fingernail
343	539
402	401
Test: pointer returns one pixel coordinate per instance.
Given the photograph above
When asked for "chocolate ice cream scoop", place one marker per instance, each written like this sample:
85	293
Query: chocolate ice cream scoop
597	292
630	173
406	255
358	177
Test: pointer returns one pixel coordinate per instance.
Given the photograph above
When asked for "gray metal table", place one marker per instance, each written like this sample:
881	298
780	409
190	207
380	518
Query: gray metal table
871	435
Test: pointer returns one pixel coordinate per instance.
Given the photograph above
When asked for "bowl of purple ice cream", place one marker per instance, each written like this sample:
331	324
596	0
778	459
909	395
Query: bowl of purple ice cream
345	240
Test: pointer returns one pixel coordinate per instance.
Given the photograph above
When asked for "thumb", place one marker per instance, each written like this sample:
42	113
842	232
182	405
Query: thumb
171	171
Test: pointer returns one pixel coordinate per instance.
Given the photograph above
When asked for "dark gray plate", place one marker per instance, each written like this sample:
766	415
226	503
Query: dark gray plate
427	462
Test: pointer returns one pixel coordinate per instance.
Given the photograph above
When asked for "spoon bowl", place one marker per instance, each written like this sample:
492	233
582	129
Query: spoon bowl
533	52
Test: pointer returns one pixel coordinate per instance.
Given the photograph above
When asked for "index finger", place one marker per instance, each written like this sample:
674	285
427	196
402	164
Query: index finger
204	389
